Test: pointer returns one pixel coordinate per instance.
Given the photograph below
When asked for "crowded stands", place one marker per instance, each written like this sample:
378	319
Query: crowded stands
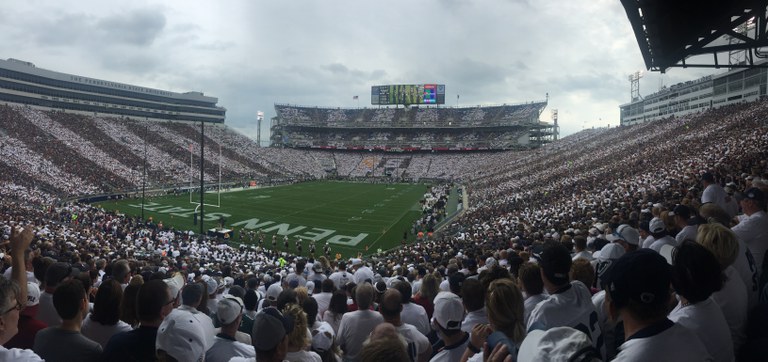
564	252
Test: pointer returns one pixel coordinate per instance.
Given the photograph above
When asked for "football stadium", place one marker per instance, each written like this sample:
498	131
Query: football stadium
404	229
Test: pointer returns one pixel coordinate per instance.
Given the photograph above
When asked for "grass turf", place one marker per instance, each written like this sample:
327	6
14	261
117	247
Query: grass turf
354	217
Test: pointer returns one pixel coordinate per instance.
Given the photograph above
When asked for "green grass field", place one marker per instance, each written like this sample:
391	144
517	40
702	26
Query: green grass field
350	216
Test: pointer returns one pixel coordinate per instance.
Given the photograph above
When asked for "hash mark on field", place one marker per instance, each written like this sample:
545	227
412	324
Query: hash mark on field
368	211
354	218
379	205
387	200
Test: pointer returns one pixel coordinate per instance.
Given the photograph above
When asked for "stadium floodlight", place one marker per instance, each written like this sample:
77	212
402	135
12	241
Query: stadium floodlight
634	80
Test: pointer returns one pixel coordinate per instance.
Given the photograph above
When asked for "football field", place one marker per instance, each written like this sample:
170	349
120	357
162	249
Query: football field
352	217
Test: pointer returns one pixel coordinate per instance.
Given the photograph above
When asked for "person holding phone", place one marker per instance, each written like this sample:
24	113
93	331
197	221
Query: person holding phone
506	322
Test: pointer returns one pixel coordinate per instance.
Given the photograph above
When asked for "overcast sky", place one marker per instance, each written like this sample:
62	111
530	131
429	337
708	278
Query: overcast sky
252	54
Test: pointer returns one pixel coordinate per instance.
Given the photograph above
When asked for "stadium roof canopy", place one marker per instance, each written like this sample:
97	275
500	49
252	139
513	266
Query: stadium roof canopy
669	32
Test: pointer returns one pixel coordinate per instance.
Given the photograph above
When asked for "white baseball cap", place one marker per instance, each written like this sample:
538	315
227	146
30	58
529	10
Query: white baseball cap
229	308
322	337
274	291
182	336
175	284
449	312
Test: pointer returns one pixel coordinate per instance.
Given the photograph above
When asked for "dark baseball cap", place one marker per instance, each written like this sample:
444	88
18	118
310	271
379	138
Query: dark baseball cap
642	276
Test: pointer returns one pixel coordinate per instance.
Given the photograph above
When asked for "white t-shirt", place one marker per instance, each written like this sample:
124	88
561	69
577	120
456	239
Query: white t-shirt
753	230
323	301
418	343
647	242
16	354
224	349
732	300
571	307
341	278
101	333
453	352
689	232
607	326
303	356
474	317
666	240
747	270
584	254
354	329
363	273
416	316
663	342
706	320
530	303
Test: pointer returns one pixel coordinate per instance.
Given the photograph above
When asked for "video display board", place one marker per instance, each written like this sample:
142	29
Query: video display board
408	94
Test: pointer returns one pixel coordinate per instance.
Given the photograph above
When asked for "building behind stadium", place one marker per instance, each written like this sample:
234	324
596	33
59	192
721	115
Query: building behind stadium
712	91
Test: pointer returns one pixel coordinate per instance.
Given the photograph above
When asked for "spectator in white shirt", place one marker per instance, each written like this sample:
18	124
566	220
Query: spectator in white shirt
753	229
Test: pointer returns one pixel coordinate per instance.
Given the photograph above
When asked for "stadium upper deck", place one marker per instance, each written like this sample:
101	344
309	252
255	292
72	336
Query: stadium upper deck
497	127
22	82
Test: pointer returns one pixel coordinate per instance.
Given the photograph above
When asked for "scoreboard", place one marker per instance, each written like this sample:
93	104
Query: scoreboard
408	94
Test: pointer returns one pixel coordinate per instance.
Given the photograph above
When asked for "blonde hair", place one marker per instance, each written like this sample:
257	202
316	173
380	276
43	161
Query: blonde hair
720	241
429	287
505	309
302	293
298	339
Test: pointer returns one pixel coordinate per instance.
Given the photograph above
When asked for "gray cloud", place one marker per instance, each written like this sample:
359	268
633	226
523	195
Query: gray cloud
139	27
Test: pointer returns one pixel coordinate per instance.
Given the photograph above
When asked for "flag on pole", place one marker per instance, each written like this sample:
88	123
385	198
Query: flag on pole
354	97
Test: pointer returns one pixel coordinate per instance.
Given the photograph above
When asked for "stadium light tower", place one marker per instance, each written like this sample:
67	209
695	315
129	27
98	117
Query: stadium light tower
634	80
259	118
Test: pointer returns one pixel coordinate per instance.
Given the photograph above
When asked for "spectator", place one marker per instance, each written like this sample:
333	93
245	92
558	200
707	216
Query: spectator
323	298
384	345
191	296
745	261
580	244
250	302
11	293
153	304
419	348
505	314
270	336
531	286
637	291
429	289
65	342
225	346
660	235
473	298
324	342
336	309
753	229
569	303
28	324
713	192
355	326
56	274
696	274
101	324
732	299
683	222
412	313
449	313
128	303
299	339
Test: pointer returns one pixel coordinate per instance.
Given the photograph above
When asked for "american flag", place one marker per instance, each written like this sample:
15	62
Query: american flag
354	97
